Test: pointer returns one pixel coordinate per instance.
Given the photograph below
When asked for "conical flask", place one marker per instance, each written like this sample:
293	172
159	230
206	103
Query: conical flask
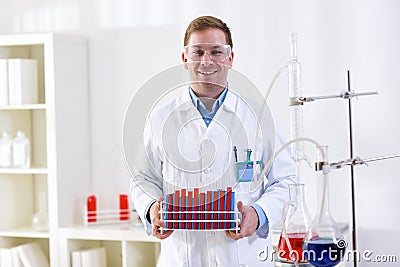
324	245
294	227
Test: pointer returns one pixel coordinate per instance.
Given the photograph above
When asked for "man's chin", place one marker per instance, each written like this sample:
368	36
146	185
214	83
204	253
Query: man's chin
209	84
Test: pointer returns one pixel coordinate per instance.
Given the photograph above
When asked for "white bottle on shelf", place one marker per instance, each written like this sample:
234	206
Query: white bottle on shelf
3	82
5	150
21	151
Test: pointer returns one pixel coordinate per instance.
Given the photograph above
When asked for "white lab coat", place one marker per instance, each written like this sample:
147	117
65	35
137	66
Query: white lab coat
175	135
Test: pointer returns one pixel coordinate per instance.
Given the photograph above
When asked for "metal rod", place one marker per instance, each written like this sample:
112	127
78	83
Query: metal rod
344	96
380	158
365	93
313	98
353	203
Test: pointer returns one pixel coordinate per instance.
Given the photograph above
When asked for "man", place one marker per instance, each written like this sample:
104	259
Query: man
188	141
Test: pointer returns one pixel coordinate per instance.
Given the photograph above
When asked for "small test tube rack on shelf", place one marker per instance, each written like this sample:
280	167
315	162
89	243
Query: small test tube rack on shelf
94	216
194	211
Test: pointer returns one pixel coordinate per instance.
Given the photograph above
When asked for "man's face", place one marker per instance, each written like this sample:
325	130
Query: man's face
208	59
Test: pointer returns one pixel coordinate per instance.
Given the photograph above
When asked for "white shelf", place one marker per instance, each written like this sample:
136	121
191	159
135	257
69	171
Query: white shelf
107	232
24	107
33	170
28	232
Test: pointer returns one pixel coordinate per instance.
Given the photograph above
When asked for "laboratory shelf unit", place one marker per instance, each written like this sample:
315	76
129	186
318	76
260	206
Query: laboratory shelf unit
126	246
58	129
59	133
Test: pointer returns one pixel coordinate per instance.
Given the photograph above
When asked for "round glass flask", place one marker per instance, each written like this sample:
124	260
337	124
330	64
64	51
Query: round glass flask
40	220
324	245
294	227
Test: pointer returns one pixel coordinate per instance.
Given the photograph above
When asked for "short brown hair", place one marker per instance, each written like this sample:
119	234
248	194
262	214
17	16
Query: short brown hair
207	22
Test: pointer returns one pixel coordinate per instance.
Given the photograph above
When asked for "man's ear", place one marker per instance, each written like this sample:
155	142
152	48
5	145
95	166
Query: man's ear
231	59
184	60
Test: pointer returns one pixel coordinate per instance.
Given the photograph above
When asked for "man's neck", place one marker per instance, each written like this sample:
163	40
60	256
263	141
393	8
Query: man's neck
209	97
208	102
210	93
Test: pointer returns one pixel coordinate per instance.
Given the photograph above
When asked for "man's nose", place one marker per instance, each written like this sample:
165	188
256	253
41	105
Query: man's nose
206	57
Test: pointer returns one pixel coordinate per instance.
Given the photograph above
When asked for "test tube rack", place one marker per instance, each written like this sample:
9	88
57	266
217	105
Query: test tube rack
94	216
194	211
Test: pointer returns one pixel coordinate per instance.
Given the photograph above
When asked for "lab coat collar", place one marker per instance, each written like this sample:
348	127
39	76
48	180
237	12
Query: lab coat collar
230	102
184	102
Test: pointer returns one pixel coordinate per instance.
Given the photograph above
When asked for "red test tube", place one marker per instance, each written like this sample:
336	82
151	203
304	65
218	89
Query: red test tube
202	209
176	208
91	208
183	208
196	208
221	208
123	207
216	214
208	208
189	225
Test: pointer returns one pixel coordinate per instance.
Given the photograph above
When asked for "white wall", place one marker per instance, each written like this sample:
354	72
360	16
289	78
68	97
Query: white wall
129	41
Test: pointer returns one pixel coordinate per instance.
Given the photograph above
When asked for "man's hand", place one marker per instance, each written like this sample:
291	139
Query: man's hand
156	223
248	225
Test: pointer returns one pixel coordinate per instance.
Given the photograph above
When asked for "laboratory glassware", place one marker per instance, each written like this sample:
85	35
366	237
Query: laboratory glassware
296	108
40	220
324	244
295	224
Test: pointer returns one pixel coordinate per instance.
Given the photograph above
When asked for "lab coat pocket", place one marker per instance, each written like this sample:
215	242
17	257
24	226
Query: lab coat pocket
246	193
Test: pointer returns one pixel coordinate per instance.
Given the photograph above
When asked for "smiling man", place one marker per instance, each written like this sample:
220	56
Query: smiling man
188	141
208	63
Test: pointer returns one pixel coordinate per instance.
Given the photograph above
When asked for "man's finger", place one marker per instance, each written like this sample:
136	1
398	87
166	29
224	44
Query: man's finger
164	234
159	223
240	206
161	235
233	235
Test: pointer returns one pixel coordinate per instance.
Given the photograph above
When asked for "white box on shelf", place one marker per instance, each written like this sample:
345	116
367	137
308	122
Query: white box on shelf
22	81
32	255
3	82
89	257
16	259
9	257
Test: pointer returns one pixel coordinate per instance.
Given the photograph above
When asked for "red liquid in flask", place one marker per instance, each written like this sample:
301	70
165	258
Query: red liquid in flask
296	242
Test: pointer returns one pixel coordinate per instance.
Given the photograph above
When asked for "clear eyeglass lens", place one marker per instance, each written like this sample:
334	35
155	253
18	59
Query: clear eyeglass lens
217	52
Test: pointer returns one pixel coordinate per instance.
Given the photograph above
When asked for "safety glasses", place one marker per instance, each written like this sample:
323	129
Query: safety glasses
216	52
